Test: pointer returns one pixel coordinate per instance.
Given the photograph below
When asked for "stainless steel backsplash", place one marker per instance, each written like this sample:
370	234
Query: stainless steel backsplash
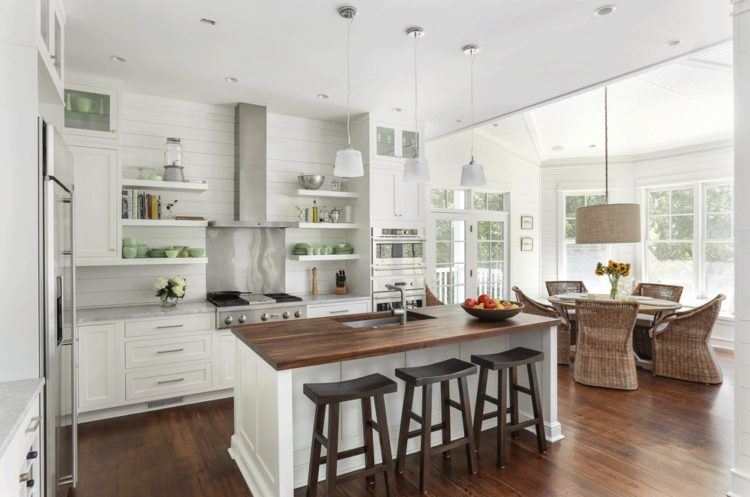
246	259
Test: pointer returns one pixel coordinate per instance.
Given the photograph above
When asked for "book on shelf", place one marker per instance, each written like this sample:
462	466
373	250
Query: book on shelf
141	205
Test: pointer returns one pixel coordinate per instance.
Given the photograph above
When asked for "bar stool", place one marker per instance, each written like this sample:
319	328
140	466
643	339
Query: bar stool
502	362
366	388
425	377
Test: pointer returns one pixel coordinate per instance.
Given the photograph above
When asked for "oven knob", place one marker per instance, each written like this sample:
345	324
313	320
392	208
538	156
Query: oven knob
264	316
228	320
242	318
285	315
297	313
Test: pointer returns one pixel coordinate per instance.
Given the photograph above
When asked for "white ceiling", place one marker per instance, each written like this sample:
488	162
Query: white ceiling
286	51
681	103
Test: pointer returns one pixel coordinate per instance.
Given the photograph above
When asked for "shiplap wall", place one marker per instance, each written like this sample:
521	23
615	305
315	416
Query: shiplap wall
506	172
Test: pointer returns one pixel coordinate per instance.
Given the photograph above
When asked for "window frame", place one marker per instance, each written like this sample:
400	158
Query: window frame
561	240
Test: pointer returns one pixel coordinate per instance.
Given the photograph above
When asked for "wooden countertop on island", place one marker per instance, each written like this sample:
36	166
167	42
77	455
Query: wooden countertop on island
310	342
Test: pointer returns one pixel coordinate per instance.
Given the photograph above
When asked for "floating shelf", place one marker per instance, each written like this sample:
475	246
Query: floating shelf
326	193
337	226
163	222
332	257
144	261
164	185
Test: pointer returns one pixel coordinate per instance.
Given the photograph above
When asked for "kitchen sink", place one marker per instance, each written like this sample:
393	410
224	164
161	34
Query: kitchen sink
384	322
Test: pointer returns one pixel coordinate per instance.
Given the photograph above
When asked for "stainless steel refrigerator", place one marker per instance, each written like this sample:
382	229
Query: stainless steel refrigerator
59	341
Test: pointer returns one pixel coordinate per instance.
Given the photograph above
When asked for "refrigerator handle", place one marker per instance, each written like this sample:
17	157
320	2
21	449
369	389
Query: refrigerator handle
74	334
59	286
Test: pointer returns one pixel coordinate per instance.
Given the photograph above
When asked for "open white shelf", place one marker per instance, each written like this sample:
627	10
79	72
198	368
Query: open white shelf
143	261
163	222
164	185
332	257
336	226
326	193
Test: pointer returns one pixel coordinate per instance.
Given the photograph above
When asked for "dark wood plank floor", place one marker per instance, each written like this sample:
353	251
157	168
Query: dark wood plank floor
669	438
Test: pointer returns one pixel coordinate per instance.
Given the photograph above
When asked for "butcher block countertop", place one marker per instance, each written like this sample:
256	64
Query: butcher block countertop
310	342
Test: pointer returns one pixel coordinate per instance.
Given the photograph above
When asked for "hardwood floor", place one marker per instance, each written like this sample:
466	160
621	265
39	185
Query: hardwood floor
668	438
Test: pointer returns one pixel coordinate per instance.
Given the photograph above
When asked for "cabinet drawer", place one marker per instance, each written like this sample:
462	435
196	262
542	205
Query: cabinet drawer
319	311
162	326
165	381
156	352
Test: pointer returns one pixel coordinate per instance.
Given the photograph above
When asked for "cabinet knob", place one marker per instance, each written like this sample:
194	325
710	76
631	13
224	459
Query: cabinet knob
29	483
32	455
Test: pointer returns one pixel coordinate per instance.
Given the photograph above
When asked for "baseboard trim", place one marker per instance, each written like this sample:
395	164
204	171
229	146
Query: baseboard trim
740	484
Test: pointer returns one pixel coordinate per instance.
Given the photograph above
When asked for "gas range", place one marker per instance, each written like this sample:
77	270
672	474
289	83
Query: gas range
246	308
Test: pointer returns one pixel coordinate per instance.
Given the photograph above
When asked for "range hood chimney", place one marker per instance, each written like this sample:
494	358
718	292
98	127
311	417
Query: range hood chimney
250	170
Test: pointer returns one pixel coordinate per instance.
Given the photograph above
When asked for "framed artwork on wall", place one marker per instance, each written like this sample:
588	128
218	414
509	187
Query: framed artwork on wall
527	222
527	244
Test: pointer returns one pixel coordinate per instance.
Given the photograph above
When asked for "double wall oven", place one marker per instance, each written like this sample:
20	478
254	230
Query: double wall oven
398	259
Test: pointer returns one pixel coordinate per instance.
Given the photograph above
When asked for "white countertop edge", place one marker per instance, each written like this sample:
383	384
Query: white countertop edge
16	398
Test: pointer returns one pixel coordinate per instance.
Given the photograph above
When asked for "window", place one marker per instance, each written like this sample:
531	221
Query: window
450	259
690	242
442	198
578	261
490	258
488	201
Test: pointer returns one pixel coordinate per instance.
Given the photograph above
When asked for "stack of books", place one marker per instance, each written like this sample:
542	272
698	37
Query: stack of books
141	205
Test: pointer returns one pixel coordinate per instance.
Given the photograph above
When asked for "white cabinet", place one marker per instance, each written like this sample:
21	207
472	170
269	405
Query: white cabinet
393	143
97	367
392	199
226	359
17	463
338	309
90	111
51	43
97	202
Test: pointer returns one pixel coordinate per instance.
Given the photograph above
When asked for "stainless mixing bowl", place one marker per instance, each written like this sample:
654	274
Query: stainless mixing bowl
311	181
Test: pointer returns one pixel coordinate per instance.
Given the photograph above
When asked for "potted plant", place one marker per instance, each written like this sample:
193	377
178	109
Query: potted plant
614	271
170	290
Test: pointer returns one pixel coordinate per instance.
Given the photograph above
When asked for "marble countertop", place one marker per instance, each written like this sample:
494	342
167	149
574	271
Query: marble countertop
333	298
142	311
15	401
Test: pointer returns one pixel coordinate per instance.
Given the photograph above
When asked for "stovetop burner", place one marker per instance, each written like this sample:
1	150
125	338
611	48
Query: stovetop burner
283	297
233	299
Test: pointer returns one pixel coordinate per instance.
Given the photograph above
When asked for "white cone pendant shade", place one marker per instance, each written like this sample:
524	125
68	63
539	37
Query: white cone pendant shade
609	223
348	163
417	170
472	174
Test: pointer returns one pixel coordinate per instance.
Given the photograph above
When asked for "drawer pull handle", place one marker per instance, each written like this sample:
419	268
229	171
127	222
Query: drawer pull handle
176	380
169	351
32	455
340	311
24	477
34	424
165	327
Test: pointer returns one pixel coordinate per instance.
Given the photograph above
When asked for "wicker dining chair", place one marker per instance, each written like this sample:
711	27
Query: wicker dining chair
604	353
659	291
642	332
431	298
565	286
531	306
682	344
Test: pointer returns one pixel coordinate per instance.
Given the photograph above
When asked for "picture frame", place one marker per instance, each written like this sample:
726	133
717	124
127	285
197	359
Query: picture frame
527	222
527	244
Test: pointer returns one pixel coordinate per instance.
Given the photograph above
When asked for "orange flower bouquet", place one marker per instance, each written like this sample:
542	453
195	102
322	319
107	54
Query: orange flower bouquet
614	271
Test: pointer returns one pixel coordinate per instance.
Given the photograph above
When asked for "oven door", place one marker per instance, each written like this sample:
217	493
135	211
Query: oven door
397	252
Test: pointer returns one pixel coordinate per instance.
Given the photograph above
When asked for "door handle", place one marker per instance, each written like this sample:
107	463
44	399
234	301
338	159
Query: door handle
169	351
176	380
165	327
340	311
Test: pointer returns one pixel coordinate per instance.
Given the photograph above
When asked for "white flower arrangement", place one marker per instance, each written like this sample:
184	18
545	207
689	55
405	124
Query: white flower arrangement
170	290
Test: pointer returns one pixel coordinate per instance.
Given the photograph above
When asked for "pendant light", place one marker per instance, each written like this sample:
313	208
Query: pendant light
348	161
472	174
416	169
608	223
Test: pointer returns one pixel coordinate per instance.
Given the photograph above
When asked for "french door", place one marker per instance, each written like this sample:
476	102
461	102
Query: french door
470	255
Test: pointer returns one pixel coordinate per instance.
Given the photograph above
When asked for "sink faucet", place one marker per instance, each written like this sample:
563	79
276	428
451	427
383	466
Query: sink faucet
402	310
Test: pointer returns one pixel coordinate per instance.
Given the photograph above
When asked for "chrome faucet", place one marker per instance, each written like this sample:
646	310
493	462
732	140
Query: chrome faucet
402	310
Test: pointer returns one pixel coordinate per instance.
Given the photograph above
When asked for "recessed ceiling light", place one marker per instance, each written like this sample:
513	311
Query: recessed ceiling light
558	148
605	10
593	145
231	79
459	120
210	22
495	125
321	96
117	58
396	109
674	42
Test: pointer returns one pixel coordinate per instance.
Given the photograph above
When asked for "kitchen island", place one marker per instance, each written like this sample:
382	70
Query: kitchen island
273	419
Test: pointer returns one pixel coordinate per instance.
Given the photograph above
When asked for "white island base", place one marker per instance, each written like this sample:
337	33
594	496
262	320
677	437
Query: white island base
273	419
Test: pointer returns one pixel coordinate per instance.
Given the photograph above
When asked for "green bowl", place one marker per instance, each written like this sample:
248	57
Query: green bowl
197	252
171	254
156	253
129	252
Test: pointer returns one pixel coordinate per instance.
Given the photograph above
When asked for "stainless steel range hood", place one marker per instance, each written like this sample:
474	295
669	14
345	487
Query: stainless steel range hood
250	173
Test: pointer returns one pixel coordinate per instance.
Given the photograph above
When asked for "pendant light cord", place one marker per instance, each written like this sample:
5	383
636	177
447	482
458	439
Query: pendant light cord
416	98
348	82
471	91
606	148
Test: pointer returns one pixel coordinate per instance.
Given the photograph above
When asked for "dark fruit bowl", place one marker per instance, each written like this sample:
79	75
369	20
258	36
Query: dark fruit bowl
493	314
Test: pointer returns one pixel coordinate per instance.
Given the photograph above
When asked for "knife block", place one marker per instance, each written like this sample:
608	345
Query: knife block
342	290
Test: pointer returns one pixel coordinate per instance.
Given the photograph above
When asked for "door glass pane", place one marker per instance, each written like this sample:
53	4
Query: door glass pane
385	141
490	259
409	144
44	21
87	110
450	258
58	46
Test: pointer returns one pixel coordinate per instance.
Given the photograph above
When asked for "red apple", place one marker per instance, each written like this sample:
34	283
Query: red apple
470	302
484	298
490	304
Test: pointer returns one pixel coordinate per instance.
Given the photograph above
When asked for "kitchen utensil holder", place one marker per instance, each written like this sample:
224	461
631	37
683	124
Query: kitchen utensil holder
342	290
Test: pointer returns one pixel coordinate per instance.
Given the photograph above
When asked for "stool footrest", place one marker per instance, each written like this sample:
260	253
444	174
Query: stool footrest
490	399
359	473
418	431
322	439
416	417
522	424
493	414
449	446
346	453
521	389
454	404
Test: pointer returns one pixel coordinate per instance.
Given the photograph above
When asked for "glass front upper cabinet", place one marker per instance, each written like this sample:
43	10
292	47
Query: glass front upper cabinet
396	143
385	139
409	144
91	111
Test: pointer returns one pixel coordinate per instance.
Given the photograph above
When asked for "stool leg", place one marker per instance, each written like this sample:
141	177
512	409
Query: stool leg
514	400
471	450
502	409
541	441
479	406
424	455
333	448
313	470
445	415
403	432
367	431
385	447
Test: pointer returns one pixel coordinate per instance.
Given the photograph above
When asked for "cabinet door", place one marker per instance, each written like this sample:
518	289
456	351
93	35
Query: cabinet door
409	144
96	201
385	142
57	50
383	196
97	367
227	360
90	111
411	198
